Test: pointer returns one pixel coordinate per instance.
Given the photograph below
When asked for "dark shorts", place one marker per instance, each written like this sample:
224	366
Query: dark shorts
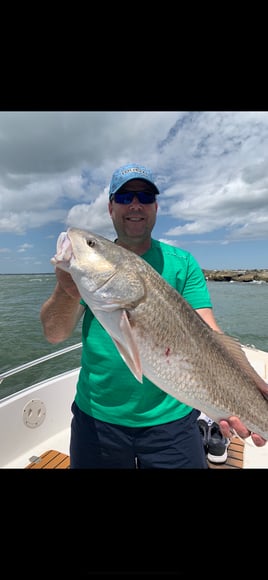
99	445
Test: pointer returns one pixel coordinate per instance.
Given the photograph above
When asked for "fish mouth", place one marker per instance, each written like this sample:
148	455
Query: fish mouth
64	250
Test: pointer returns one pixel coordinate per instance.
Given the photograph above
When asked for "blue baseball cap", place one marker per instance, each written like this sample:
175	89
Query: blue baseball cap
128	172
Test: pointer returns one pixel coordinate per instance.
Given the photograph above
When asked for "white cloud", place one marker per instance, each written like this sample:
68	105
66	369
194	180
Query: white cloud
211	169
93	217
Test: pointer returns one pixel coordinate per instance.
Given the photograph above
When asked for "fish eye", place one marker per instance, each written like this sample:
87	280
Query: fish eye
91	243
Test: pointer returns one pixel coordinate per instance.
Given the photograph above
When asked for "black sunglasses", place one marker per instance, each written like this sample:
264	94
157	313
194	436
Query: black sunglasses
126	197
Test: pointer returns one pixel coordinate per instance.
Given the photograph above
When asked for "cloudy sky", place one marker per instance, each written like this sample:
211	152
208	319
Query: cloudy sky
211	169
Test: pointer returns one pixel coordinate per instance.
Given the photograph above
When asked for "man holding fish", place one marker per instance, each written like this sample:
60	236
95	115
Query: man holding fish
125	413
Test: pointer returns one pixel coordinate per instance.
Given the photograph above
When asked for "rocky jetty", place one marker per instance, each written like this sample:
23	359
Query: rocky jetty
236	275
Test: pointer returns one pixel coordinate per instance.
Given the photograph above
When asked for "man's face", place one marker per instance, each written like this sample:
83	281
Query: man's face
135	219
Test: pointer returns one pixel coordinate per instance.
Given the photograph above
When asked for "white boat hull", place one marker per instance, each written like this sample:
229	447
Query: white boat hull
21	435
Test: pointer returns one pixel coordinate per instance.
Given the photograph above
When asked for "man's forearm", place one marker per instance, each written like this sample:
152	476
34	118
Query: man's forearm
59	315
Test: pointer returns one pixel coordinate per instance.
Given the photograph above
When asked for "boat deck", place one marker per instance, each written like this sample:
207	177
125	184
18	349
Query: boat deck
50	460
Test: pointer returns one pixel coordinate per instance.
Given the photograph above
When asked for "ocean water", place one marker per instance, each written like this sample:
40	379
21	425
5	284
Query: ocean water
22	339
241	309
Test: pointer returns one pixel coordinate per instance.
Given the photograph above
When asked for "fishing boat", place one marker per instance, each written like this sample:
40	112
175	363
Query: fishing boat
35	422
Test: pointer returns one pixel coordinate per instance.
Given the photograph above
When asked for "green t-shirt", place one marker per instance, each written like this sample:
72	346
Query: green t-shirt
106	388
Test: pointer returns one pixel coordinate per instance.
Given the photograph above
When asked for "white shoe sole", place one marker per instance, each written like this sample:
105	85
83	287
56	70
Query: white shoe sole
217	458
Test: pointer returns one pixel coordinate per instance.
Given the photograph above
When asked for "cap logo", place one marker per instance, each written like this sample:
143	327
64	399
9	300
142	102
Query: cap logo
133	169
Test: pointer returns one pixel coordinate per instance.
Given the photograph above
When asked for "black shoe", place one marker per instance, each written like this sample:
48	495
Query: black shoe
217	444
203	428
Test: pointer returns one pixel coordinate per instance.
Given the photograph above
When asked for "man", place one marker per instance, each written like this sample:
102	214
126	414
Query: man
117	422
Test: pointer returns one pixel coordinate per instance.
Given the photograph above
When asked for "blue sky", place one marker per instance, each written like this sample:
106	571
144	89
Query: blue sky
211	168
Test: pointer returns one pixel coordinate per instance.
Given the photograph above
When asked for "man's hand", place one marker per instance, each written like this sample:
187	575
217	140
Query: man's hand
235	425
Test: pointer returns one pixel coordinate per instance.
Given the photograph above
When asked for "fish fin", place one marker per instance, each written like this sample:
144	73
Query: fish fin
117	324
234	347
128	349
129	361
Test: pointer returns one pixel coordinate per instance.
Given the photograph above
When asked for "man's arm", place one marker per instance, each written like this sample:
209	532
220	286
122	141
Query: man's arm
233	424
208	316
61	312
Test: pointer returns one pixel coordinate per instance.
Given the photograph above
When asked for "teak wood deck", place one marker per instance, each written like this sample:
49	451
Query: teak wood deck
56	460
50	460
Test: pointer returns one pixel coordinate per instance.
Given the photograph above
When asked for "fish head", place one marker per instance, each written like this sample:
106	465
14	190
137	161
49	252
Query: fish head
99	267
84	254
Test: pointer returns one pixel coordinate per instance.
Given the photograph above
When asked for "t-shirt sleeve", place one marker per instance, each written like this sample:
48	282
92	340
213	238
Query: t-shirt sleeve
195	289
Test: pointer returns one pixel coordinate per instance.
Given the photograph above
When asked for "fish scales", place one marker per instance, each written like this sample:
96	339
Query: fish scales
175	348
182	365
